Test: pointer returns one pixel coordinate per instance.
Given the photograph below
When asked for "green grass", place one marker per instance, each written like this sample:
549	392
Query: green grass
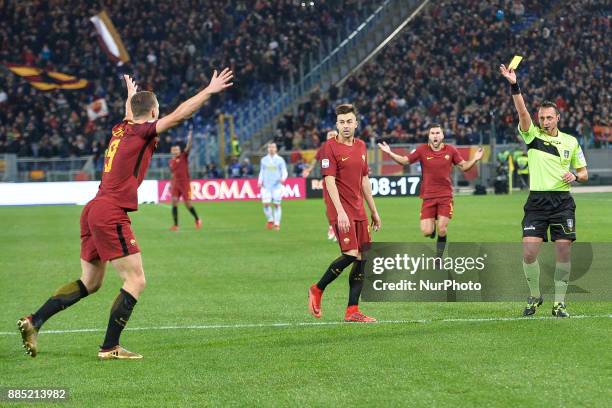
234	272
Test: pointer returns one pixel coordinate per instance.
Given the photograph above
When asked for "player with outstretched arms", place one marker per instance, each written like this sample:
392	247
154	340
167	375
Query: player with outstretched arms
181	181
437	160
106	233
551	154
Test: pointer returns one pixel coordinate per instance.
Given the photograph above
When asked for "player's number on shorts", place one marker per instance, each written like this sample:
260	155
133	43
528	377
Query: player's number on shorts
110	154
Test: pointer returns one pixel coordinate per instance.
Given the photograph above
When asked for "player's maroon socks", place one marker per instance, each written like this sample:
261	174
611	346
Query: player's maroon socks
119	316
175	215
335	269
63	297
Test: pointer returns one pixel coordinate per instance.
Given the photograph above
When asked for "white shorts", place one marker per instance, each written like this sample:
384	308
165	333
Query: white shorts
272	196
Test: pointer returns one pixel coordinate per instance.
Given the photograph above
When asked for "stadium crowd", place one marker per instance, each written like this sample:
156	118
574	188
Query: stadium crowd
444	69
172	52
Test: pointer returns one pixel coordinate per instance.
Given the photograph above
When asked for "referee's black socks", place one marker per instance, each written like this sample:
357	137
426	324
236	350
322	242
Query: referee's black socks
335	269
63	297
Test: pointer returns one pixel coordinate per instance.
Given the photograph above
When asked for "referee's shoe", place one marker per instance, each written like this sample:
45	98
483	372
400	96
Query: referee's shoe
558	310
532	305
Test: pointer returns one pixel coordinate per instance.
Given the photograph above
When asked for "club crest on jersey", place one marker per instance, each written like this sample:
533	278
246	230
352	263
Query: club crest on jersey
447	157
325	163
566	154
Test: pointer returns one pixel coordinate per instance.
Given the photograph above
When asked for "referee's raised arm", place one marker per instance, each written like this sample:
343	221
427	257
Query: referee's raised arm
517	97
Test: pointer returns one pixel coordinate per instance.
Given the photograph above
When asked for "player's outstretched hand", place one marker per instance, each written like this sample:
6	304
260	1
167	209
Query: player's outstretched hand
384	147
132	88
220	82
376	224
509	74
479	153
331	134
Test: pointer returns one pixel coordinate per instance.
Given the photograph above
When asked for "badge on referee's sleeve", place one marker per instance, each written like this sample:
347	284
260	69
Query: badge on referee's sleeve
325	163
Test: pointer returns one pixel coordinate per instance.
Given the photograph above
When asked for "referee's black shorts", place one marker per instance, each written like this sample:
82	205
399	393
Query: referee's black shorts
554	209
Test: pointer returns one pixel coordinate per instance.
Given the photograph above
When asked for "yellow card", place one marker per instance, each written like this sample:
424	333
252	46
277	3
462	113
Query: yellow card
515	62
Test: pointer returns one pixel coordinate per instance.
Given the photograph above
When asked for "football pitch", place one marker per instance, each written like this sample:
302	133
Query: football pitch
223	320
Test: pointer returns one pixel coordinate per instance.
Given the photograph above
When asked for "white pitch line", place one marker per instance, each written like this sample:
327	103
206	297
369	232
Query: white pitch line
306	324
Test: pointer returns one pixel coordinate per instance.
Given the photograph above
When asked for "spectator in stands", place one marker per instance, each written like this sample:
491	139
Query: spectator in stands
233	168
246	168
212	172
299	167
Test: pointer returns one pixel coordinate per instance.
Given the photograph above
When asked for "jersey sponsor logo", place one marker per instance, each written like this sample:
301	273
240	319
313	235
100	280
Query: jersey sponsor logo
325	163
344	158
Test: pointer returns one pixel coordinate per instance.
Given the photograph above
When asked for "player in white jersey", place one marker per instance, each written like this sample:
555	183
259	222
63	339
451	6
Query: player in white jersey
272	176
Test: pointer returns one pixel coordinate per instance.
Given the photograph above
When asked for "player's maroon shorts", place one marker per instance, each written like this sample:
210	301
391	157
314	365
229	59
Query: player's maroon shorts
106	232
358	236
181	189
433	207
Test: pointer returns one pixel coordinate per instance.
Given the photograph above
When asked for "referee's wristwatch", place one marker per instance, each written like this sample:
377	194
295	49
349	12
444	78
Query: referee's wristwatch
575	176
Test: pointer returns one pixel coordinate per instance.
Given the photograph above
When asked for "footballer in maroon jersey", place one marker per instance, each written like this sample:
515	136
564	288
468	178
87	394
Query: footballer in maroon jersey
106	233
437	160
181	181
346	184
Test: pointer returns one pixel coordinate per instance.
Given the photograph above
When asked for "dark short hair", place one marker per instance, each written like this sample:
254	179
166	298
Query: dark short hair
346	108
434	125
142	103
549	104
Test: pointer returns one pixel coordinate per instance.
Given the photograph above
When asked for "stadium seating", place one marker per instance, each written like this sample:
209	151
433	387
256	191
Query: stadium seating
451	77
420	78
172	54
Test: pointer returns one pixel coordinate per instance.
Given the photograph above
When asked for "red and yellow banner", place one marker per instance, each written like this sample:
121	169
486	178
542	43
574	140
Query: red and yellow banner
45	80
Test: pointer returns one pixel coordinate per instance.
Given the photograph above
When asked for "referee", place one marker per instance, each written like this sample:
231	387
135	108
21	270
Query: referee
551	154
